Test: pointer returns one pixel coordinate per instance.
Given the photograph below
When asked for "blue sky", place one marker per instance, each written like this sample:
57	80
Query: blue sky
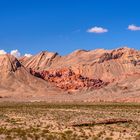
62	25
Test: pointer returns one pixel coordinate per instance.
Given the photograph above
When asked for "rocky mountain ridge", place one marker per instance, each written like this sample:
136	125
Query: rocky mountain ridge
107	65
16	81
96	75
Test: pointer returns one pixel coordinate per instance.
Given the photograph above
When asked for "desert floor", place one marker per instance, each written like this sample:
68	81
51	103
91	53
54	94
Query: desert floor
47	121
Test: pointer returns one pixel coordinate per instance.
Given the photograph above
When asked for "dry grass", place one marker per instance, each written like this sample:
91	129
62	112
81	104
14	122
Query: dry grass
43	121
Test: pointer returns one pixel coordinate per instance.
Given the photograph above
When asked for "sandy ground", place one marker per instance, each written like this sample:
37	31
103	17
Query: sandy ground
45	121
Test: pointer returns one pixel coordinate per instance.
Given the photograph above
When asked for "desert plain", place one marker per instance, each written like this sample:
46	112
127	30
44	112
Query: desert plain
69	121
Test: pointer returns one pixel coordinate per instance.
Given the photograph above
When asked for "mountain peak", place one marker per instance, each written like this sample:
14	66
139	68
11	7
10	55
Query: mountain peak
9	63
47	54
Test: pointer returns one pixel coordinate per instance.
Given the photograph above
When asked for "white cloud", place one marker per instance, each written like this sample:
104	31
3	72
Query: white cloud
28	55
97	30
2	52
15	53
133	27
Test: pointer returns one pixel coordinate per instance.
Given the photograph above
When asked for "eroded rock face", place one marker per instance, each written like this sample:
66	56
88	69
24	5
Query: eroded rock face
17	82
119	69
66	79
109	56
40	61
8	63
107	65
123	53
115	73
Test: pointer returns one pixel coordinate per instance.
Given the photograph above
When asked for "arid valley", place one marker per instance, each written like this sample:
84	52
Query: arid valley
69	69
91	95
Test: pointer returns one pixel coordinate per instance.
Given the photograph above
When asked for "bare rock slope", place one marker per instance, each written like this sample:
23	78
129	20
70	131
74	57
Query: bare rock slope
101	64
117	73
96	75
16	81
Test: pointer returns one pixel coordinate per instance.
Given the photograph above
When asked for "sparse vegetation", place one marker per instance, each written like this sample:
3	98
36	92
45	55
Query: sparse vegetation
43	121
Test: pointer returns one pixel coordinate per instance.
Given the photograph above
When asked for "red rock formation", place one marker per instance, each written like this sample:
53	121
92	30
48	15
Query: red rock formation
66	79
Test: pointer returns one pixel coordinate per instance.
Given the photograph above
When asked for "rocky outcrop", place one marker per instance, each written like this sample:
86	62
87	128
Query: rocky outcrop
123	53
66	79
109	56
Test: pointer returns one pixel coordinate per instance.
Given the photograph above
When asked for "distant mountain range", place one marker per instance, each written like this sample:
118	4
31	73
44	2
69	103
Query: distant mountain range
89	76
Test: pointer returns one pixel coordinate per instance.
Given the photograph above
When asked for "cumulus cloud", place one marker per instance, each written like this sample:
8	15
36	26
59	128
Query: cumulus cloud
133	27
28	55
97	30
2	52
15	53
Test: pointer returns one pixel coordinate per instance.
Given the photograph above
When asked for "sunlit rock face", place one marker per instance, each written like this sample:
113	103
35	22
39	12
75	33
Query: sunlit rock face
96	75
107	65
66	79
16	80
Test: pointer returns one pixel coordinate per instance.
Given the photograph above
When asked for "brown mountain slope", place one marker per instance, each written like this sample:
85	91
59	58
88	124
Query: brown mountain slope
107	65
17	82
97	75
40	61
104	75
